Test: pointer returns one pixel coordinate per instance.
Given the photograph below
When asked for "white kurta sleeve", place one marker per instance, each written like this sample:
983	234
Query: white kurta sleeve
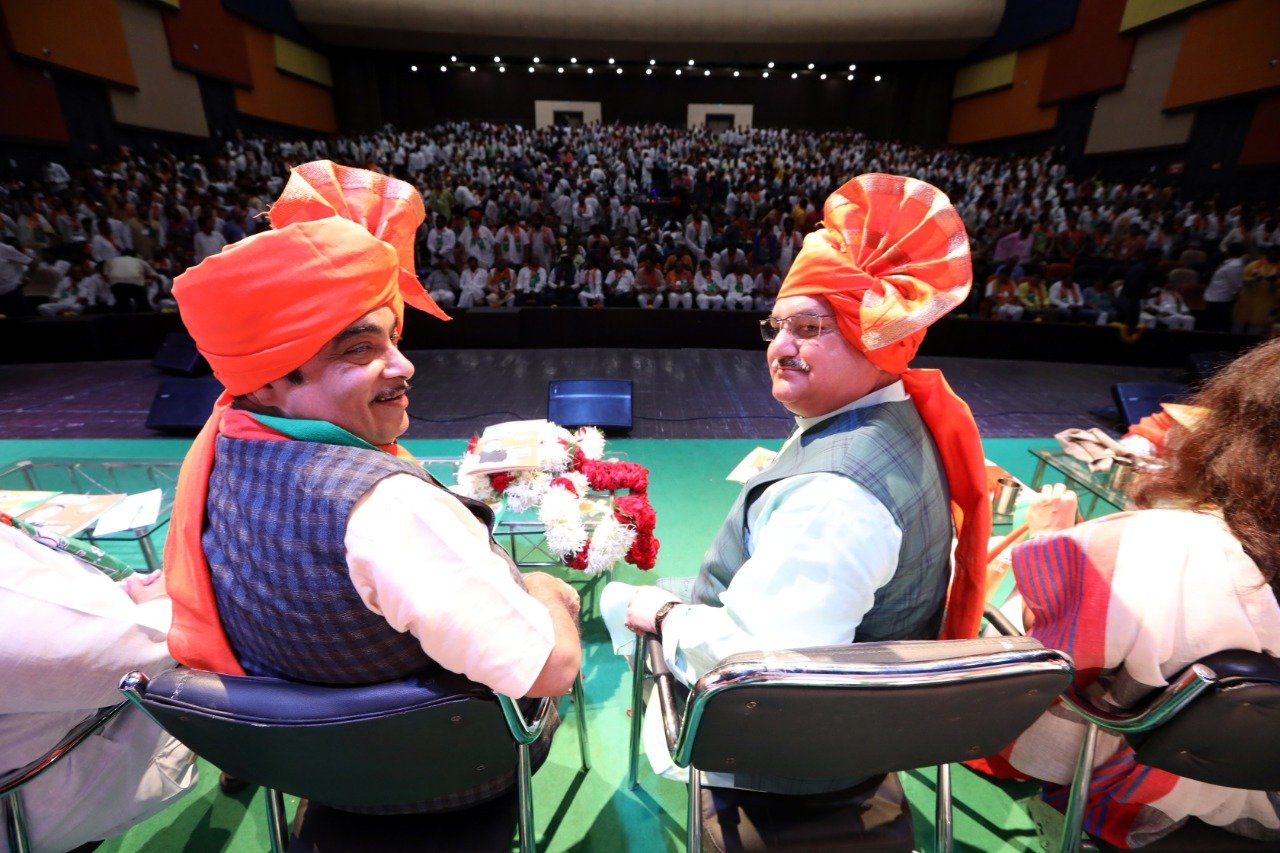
422	561
819	548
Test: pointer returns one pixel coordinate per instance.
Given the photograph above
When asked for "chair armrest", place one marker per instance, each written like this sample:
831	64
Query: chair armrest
1193	681
999	621
664	683
522	730
15	779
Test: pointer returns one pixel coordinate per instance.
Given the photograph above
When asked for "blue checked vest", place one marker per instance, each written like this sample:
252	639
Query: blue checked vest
276	523
887	450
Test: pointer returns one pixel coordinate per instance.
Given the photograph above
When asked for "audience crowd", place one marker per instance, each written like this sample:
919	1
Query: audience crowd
647	216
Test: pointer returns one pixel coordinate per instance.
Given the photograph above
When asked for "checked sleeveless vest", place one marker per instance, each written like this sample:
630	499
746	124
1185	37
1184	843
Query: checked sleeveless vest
276	522
887	450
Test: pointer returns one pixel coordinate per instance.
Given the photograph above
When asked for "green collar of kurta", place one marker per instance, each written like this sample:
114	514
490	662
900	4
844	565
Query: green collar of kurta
322	432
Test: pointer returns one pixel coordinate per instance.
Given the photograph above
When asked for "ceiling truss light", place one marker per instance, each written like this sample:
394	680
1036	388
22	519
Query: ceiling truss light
413	68
619	70
453	59
678	72
611	60
536	60
502	69
653	62
473	68
765	74
770	64
444	68
573	60
822	76
706	73
591	70
794	75
850	76
648	71
530	69
497	59
810	66
690	61
735	74
853	66
560	70
877	78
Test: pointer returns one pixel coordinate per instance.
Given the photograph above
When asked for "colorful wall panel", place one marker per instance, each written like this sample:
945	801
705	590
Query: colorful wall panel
301	61
167	98
207	39
1138	13
1133	118
985	76
84	36
31	109
1094	57
279	97
1262	145
1011	112
1229	49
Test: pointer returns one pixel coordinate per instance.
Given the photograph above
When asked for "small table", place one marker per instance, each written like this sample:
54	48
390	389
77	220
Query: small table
92	476
1078	474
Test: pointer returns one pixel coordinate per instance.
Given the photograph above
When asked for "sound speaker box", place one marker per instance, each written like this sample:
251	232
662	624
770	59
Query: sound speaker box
183	405
1136	400
178	355
1202	365
603	403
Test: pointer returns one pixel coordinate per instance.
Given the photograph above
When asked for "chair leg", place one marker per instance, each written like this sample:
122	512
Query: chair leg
15	823
277	820
1078	799
524	792
580	702
695	810
943	830
637	710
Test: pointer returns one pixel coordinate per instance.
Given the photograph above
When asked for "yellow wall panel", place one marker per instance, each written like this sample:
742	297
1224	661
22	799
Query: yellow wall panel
1229	49
293	58
1010	112
279	97
167	98
1140	12
985	76
1133	118
85	36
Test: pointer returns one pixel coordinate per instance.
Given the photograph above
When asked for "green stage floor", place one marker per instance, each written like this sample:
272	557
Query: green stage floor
596	811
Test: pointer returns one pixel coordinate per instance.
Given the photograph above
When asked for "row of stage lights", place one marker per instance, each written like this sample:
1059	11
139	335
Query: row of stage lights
617	69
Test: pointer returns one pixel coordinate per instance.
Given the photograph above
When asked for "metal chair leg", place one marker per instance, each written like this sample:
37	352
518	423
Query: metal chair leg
1073	825
695	810
637	711
15	823
580	703
277	820
943	830
524	791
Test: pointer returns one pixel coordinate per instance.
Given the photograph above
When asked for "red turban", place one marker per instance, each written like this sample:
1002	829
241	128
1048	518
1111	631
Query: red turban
891	256
342	247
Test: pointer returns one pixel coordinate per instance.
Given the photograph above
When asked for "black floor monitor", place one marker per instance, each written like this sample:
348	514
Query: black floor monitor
178	355
183	405
1136	400
604	403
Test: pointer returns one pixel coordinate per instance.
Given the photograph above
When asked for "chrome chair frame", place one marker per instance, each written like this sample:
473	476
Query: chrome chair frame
12	782
996	660
523	731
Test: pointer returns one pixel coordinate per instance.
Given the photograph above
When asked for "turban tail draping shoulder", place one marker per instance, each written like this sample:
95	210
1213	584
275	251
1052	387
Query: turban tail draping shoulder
341	246
891	256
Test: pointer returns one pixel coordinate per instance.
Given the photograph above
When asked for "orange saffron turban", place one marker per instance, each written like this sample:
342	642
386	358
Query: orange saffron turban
342	246
890	257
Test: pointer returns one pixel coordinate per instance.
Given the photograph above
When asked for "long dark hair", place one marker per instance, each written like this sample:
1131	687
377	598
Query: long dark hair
1230	460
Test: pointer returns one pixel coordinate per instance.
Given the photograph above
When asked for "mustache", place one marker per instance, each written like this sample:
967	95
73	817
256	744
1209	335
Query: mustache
400	387
790	362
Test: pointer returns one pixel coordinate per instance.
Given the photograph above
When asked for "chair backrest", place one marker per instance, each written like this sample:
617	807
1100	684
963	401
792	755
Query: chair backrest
376	745
1230	734
868	707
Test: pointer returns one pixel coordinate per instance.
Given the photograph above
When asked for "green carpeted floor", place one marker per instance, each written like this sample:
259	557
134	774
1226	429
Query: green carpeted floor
595	811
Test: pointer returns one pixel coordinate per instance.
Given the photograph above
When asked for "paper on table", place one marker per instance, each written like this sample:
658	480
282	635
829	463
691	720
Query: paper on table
131	513
753	463
68	514
510	446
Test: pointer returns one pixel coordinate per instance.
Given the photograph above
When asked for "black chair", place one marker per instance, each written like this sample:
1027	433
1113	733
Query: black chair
1136	400
361	748
1217	722
855	710
12	782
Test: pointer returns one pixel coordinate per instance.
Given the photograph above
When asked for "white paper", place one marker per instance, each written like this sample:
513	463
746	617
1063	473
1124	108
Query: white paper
133	512
753	463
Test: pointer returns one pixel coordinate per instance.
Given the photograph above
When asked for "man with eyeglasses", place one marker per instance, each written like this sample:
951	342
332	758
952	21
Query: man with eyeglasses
847	535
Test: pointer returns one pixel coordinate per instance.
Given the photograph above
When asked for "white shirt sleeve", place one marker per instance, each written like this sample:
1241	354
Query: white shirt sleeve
819	547
422	561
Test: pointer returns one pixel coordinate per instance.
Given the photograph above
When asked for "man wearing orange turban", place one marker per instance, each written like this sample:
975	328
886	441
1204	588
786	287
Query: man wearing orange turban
306	544
846	536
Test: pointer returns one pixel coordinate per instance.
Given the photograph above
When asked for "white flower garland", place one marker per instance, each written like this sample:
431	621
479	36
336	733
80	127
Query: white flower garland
560	497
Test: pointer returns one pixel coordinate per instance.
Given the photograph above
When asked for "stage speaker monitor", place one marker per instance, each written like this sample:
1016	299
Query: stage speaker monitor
604	403
1202	365
1136	400
178	355
182	406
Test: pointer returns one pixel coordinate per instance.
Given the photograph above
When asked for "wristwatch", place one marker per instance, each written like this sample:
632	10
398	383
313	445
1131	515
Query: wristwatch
660	615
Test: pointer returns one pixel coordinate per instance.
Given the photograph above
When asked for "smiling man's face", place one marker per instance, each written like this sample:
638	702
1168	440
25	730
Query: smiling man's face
357	381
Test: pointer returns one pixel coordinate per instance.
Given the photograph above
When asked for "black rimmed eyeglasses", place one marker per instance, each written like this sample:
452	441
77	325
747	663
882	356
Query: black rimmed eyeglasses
801	326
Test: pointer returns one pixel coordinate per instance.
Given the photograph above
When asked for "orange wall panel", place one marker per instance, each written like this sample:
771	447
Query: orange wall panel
1262	144
207	39
84	36
31	109
1229	49
280	97
1093	57
1010	112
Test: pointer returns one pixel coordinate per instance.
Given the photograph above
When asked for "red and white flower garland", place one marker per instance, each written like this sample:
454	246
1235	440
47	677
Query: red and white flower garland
571	468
